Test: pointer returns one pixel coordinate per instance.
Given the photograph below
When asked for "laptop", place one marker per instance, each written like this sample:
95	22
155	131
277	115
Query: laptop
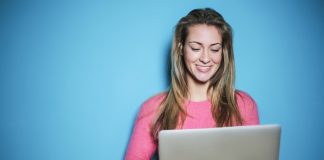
260	142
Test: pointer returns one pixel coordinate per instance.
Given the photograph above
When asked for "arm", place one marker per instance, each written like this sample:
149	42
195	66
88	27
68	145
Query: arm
141	145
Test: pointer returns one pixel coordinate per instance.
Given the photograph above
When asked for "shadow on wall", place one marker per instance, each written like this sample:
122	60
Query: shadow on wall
167	63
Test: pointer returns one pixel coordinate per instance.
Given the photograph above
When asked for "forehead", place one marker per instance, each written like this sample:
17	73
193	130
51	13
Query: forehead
205	34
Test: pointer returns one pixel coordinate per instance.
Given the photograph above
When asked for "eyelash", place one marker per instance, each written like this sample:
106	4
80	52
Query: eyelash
196	50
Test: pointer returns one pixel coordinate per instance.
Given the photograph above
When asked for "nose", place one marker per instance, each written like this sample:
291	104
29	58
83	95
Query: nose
204	58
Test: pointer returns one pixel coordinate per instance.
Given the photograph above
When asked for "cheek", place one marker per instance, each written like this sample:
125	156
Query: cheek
217	58
190	57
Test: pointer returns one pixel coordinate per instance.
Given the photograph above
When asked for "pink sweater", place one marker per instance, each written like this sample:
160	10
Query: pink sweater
142	145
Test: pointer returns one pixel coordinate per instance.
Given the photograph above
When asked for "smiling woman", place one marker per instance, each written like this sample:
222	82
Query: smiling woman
202	93
202	54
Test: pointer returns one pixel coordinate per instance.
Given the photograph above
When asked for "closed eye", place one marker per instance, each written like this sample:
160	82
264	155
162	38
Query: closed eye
215	49
195	49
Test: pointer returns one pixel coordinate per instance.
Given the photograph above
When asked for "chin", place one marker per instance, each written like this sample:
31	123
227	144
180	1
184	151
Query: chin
203	79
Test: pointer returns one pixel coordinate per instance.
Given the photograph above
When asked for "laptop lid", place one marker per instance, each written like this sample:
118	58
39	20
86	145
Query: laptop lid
259	142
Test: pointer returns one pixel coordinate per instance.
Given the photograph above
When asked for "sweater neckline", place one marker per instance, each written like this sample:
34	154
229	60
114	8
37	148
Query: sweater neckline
199	103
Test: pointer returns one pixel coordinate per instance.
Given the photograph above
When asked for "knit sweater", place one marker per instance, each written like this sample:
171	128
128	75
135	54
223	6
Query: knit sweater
142	145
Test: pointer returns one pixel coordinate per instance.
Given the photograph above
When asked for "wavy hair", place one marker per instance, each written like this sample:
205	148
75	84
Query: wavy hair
171	113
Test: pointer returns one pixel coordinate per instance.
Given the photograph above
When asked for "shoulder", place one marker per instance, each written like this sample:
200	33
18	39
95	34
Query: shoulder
155	100
243	96
248	108
245	101
150	106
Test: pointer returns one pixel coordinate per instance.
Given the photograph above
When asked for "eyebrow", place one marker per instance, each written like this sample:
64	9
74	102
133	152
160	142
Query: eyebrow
201	43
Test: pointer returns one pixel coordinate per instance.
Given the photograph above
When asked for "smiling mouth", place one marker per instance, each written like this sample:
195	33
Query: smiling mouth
203	69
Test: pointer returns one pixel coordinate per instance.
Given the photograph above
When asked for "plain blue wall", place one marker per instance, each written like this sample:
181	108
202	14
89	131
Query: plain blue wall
74	74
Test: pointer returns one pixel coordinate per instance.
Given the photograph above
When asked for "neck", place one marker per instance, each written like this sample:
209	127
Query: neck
197	90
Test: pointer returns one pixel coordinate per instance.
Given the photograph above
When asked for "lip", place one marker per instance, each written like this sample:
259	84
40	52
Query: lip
202	68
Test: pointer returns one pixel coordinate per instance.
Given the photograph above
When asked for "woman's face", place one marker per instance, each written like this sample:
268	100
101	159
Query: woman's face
202	52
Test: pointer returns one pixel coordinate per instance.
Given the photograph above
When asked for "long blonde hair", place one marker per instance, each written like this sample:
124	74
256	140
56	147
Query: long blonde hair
225	112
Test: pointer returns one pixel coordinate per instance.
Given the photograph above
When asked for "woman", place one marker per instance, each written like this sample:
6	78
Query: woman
202	93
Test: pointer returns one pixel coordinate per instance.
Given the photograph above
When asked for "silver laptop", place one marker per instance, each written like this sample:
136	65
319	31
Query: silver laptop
259	142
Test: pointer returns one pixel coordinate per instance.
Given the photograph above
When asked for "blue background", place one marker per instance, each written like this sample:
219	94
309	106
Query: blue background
74	74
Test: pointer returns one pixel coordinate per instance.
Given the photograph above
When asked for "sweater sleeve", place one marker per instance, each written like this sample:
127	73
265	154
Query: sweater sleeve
142	145
248	109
